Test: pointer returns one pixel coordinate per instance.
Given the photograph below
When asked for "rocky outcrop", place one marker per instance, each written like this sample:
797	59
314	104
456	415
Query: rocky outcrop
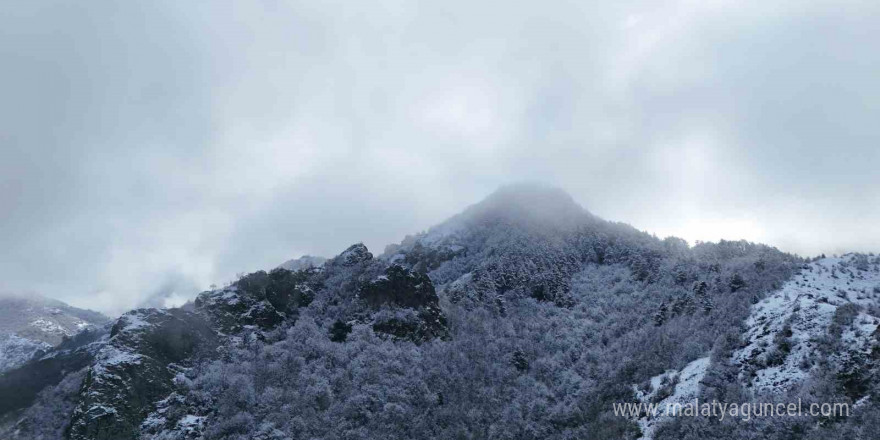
132	369
231	310
135	369
355	254
262	300
420	319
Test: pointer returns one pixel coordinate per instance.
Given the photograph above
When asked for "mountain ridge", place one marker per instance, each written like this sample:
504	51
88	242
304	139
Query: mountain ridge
556	317
32	324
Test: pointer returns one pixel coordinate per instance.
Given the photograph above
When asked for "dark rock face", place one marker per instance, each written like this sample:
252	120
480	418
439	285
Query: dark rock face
428	323
259	299
403	288
231	309
355	254
135	369
287	291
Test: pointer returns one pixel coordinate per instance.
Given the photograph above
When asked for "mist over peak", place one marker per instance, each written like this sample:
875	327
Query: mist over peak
532	197
535	204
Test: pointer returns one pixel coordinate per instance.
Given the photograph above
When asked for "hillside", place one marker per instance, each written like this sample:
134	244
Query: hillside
523	317
32	324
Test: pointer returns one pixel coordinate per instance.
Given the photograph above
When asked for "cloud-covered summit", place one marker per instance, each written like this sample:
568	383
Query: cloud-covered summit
149	149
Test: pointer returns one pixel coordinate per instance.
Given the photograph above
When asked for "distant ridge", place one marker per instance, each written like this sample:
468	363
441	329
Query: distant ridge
33	323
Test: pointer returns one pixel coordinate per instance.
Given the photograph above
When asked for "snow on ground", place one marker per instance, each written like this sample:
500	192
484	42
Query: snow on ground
15	351
669	388
803	309
807	304
441	232
132	321
110	358
191	424
48	326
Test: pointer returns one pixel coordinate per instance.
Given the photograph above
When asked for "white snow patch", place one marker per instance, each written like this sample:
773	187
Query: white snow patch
808	303
191	420
686	390
16	351
111	357
48	326
133	321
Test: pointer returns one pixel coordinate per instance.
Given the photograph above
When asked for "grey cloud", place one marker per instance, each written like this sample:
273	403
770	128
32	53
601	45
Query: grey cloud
151	148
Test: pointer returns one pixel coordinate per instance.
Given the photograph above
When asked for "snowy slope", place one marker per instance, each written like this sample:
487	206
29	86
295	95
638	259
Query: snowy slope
32	324
15	350
784	332
501	322
806	305
667	389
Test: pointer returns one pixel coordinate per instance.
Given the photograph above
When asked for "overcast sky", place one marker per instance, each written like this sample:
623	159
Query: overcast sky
153	148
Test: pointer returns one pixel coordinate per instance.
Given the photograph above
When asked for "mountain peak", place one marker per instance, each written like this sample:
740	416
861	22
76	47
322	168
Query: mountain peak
535	206
529	202
530	194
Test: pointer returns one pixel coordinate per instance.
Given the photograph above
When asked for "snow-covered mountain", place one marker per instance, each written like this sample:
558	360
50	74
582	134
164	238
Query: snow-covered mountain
786	332
523	317
32	324
823	320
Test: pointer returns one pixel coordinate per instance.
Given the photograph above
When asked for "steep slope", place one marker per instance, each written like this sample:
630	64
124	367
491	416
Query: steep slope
828	303
135	369
33	324
127	375
813	341
523	317
521	238
547	313
58	369
667	389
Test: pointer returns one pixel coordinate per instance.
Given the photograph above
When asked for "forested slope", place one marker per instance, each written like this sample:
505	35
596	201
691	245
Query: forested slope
523	317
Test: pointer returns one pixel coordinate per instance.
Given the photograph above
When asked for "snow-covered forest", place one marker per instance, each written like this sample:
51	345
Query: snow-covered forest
524	317
439	220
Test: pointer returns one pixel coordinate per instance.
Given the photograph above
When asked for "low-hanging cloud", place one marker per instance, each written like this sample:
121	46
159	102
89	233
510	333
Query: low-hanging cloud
149	149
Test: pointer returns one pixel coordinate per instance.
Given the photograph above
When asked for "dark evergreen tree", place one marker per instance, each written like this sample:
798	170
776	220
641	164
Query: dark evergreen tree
661	315
519	360
737	282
